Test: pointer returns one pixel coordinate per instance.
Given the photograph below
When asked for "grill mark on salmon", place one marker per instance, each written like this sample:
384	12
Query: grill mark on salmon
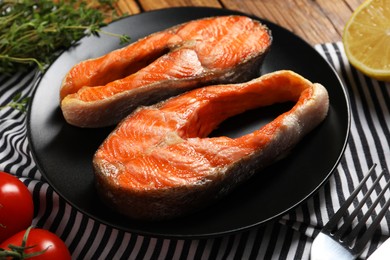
102	91
158	163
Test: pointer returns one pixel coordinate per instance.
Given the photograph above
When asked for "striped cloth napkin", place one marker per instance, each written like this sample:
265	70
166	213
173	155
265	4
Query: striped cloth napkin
290	237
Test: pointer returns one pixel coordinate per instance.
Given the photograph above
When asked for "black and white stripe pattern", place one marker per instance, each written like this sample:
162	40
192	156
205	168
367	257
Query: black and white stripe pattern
288	238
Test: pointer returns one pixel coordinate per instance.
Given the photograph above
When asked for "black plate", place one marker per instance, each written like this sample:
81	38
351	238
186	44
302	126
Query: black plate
63	153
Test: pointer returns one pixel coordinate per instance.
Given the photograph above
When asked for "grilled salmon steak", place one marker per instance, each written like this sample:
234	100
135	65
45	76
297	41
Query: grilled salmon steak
102	91
158	163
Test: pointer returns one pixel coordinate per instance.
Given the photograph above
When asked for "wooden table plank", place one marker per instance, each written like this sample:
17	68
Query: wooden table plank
148	5
338	12
289	14
316	21
127	7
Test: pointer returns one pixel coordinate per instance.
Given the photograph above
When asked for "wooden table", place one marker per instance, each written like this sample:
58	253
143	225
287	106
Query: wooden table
316	21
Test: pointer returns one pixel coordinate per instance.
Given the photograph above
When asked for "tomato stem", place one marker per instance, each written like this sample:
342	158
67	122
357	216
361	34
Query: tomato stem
17	252
4	254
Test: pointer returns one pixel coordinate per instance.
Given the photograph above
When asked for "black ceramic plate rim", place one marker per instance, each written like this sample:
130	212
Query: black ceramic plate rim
184	235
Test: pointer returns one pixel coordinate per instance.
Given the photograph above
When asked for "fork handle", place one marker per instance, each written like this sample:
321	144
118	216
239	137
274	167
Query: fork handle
325	248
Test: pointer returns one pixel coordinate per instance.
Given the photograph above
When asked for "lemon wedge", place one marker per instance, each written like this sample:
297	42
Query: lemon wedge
366	39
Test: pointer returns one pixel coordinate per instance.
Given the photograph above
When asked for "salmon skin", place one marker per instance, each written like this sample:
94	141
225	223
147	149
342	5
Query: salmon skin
158	163
102	91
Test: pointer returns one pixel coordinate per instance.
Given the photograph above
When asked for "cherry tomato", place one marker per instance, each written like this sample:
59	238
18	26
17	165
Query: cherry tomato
16	206
46	244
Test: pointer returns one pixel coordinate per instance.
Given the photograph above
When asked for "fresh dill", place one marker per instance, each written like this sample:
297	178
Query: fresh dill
35	32
18	102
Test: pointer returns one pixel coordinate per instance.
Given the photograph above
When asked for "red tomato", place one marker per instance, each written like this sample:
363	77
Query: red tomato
16	206
39	240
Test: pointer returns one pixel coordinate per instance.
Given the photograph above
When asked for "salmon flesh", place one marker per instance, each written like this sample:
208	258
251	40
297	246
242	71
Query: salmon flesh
158	163
102	91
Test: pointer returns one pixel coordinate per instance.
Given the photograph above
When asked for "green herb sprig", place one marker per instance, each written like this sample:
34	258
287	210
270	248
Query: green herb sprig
35	32
18	102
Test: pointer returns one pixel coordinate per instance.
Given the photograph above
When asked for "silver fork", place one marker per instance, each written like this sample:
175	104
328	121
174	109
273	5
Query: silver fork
347	241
